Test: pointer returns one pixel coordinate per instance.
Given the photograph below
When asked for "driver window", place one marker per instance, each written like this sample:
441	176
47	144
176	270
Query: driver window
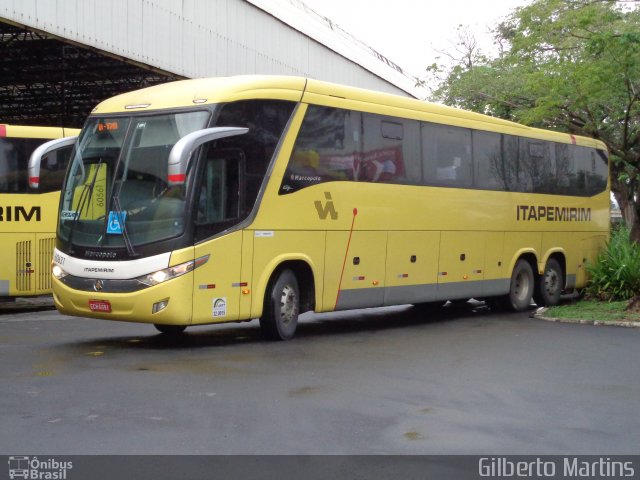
219	202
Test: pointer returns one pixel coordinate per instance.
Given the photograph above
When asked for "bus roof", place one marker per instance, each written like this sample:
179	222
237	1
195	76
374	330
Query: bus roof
188	93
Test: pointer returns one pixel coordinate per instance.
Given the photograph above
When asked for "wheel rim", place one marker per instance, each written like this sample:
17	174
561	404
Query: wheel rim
522	286
551	282
288	305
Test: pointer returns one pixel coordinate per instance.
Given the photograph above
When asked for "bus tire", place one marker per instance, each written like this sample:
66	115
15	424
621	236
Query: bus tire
170	330
549	285
521	288
281	307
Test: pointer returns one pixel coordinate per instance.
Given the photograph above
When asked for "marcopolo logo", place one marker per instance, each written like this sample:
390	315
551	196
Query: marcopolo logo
38	469
327	209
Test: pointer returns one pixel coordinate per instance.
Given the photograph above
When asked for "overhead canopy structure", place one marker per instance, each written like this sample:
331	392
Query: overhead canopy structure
45	81
60	59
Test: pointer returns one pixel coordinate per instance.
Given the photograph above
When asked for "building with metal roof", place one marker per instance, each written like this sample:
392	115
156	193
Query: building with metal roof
59	59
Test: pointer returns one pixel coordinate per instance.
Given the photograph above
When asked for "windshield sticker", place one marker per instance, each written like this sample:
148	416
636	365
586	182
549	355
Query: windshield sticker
68	215
116	222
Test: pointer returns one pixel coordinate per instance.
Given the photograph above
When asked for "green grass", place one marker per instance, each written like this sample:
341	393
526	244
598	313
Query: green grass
594	310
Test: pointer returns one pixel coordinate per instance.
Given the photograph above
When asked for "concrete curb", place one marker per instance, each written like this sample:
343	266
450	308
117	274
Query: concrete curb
540	314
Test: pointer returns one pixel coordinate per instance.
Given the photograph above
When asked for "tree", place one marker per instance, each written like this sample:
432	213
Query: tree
567	65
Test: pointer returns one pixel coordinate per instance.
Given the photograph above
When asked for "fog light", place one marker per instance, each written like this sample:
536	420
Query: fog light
159	306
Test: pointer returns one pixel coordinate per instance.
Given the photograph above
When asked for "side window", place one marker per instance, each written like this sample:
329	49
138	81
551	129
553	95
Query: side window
219	203
391	150
580	170
564	169
590	170
447	155
233	168
489	169
327	149
579	162
597	178
535	166
510	164
266	120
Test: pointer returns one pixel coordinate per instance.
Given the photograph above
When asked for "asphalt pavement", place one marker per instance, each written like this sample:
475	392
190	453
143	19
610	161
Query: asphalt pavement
397	380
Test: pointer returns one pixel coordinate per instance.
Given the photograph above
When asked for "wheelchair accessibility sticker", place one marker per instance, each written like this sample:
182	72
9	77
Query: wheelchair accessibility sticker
116	222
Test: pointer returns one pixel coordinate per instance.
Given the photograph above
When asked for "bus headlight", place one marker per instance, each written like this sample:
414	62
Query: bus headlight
161	276
58	272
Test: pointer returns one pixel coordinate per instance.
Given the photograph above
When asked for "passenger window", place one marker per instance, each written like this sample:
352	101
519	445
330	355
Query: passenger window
447	155
510	164
597	180
391	150
535	167
582	163
487	157
327	149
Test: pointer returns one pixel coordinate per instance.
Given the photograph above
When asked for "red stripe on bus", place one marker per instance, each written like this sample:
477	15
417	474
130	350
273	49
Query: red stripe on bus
3	130
344	262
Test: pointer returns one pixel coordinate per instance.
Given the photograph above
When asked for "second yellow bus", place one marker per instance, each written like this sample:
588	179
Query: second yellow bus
29	208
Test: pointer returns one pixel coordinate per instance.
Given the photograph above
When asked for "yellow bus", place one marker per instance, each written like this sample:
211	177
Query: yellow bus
28	209
231	199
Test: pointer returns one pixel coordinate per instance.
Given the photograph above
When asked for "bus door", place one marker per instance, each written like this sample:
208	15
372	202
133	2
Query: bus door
218	283
461	265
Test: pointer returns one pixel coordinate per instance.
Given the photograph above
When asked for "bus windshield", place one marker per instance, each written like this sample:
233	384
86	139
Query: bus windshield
116	192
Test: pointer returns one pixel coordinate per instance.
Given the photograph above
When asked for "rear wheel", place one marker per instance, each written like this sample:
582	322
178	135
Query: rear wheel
170	330
550	284
281	308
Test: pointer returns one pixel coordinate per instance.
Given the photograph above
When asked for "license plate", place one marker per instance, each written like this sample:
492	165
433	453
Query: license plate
100	306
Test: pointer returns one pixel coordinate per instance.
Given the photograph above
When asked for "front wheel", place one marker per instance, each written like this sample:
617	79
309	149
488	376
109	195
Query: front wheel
522	285
520	289
550	284
281	307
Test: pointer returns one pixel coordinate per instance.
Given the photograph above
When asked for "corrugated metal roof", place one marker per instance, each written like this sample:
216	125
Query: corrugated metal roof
303	18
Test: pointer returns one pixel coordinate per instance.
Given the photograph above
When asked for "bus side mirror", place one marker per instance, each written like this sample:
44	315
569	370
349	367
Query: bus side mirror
182	150
40	152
